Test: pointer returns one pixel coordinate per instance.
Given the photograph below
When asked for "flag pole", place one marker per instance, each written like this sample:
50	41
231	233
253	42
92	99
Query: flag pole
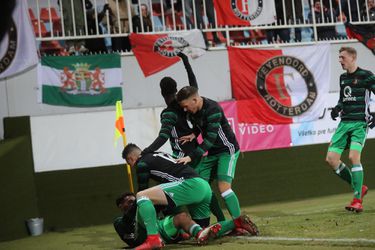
120	131
128	169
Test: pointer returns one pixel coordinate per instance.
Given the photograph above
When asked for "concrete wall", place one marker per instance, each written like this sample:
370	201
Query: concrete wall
18	95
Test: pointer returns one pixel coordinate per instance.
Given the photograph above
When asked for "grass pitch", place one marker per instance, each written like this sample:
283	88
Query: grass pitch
319	223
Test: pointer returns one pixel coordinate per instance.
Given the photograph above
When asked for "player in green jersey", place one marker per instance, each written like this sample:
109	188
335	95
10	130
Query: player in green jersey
180	186
356	85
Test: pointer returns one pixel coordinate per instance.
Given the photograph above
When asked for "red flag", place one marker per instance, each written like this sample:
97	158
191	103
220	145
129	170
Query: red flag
363	33
252	107
244	13
153	52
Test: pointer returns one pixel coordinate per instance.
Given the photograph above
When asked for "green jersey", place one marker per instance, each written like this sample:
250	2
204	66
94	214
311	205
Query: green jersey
355	91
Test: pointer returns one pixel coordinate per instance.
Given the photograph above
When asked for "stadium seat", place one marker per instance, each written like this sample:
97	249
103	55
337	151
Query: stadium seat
178	21
55	25
43	29
31	15
44	15
237	36
51	47
156	9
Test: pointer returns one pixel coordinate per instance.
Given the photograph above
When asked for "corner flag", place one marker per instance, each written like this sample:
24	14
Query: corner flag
120	131
119	125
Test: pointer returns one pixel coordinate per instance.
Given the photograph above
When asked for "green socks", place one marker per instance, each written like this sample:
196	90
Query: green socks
194	230
344	173
216	209
232	203
226	227
357	173
147	213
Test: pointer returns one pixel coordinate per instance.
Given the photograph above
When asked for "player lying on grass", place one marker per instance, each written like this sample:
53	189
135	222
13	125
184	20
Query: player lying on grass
180	186
172	228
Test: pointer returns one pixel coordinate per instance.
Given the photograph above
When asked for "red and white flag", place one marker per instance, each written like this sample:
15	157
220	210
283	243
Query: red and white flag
245	12
155	53
280	86
18	47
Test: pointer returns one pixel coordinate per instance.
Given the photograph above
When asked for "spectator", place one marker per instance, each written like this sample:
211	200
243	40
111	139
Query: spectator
323	15
119	20
199	18
95	44
146	19
73	46
286	18
370	14
350	9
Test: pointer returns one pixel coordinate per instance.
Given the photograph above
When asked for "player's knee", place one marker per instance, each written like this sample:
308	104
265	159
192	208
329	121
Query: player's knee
354	158
224	186
332	161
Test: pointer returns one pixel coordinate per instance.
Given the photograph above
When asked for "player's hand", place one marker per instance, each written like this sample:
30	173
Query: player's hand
334	114
186	138
371	123
184	160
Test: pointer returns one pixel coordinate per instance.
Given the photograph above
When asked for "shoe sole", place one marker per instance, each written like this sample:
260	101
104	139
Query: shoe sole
210	235
253	226
352	209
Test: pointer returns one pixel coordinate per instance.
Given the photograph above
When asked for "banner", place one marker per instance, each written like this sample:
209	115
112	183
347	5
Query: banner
80	81
280	86
245	12
155	53
255	136
252	137
18	47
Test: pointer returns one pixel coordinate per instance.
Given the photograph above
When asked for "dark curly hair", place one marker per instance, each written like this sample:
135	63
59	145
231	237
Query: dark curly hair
121	199
168	86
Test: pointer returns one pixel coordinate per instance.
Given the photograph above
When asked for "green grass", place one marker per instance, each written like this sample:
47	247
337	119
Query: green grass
319	218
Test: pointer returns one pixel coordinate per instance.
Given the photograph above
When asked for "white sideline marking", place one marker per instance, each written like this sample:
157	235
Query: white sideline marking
262	238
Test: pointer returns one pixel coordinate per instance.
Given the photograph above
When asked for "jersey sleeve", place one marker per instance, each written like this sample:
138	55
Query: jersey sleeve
214	117
192	79
370	82
143	175
168	120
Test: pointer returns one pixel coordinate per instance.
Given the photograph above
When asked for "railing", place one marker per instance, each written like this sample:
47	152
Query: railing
60	22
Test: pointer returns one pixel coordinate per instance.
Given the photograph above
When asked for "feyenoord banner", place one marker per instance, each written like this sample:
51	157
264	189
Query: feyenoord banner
155	53
256	136
245	12
280	86
80	81
18	48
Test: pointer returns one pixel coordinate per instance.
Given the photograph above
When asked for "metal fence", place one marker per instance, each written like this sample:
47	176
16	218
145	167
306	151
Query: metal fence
92	21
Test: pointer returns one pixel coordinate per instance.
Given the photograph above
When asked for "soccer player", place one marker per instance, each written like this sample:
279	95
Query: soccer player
172	228
218	140
173	119
353	108
175	126
181	186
